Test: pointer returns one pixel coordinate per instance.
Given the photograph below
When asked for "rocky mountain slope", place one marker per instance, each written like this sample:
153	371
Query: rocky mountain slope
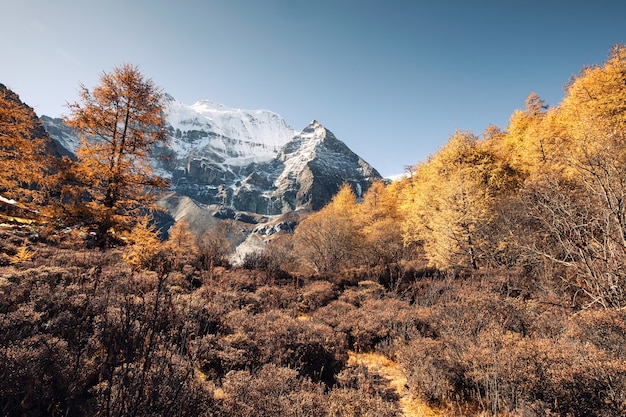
247	160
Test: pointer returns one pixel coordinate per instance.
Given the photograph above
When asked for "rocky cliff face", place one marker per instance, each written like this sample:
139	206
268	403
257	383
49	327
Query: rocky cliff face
247	160
309	171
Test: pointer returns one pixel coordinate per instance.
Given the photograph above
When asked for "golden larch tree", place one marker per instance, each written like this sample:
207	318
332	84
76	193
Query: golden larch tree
22	161
181	244
119	122
328	240
581	207
380	222
451	202
143	244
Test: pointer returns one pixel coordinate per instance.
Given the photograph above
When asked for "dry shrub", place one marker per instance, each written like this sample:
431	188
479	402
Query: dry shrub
314	349
81	333
487	364
10	242
358	377
86	340
240	280
5	259
606	329
271	297
273	391
344	402
374	322
316	294
432	371
278	391
36	377
565	376
364	290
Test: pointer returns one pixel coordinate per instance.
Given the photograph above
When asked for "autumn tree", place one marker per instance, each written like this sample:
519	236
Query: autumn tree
581	207
181	244
22	161
524	145
380	220
119	123
143	245
328	240
451	202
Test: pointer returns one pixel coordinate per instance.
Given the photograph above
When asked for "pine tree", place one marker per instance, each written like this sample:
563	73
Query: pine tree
119	122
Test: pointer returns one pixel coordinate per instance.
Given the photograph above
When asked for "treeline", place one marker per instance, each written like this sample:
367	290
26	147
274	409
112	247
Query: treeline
546	195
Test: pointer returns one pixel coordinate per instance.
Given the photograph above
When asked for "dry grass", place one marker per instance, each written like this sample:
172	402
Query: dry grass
391	371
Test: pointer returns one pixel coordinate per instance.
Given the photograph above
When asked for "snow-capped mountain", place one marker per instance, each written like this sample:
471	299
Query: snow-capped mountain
312	167
223	135
247	160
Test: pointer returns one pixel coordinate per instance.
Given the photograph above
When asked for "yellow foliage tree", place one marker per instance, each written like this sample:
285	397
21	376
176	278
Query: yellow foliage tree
24	254
524	145
380	223
451	201
22	161
328	240
181	244
119	122
143	245
582	205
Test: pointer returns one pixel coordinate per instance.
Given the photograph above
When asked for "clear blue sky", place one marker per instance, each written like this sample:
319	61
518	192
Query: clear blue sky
393	79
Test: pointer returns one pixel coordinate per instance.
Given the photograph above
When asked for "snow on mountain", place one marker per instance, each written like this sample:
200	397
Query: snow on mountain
315	164
247	160
234	137
302	150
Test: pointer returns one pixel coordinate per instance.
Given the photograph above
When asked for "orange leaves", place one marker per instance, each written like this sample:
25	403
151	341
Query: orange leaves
143	244
327	240
119	122
451	200
22	161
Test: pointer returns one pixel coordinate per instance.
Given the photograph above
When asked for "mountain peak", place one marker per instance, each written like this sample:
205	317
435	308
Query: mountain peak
203	105
223	135
168	98
248	160
315	130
